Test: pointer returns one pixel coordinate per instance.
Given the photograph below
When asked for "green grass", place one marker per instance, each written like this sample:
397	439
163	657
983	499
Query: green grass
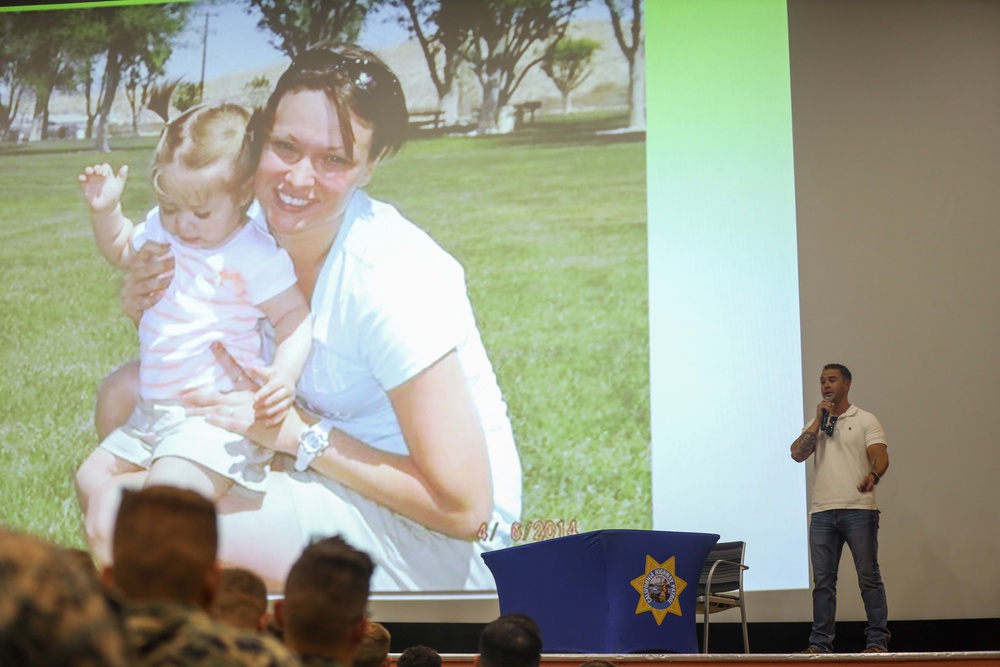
549	222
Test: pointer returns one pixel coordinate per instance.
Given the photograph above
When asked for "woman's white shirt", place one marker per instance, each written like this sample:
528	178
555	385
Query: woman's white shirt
388	303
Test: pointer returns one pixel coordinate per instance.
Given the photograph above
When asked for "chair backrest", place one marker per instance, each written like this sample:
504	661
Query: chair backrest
727	575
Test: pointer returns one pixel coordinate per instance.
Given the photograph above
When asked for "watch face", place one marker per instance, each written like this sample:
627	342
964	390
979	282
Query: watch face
313	441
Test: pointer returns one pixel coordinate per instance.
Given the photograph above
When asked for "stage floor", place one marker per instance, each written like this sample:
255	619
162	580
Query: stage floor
957	659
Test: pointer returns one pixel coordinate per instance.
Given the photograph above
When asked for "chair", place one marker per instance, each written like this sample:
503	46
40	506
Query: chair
721	585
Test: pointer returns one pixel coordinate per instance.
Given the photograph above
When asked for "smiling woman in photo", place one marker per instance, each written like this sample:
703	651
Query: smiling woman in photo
400	439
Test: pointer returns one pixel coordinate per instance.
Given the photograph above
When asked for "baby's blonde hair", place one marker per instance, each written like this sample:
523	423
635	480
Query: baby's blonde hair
210	145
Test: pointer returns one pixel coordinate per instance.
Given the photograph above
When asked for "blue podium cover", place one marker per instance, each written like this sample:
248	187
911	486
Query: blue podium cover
606	591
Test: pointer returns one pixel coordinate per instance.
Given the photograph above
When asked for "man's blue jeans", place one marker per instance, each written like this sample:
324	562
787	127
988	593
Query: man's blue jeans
828	531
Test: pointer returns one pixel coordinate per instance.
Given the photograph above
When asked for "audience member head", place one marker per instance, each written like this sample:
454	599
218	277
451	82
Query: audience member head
52	611
598	663
241	600
513	640
374	651
419	656
164	546
326	595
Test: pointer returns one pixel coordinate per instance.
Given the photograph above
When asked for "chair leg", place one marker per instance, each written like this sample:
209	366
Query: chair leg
704	648
743	613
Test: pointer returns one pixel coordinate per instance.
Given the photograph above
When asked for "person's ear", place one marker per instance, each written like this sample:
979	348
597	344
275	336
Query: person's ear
213	579
279	613
359	630
108	576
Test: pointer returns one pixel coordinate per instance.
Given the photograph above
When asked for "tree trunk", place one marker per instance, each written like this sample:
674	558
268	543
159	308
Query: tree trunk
40	118
489	111
449	106
637	89
112	74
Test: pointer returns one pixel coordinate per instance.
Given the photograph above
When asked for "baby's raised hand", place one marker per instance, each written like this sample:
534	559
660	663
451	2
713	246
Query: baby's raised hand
102	187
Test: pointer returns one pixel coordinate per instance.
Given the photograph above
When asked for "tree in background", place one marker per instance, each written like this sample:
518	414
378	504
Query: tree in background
49	48
630	12
502	34
438	26
132	31
11	81
141	75
567	63
257	90
186	95
299	24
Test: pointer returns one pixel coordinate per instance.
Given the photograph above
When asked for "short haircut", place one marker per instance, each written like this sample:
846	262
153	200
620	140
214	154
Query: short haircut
241	600
844	372
52	610
598	663
513	640
419	656
164	544
374	647
326	593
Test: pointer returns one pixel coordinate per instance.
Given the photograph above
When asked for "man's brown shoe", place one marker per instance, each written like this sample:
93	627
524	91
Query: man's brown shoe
875	649
812	650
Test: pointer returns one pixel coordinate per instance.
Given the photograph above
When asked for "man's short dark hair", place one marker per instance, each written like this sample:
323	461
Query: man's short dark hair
374	647
164	544
241	600
844	372
513	640
326	593
419	656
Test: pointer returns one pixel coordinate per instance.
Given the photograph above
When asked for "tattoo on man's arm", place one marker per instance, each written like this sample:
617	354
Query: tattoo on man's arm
805	445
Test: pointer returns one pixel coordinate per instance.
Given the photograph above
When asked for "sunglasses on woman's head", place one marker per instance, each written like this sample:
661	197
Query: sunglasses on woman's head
365	74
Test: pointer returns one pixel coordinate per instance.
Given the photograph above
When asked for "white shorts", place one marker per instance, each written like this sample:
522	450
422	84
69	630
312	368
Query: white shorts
156	430
408	556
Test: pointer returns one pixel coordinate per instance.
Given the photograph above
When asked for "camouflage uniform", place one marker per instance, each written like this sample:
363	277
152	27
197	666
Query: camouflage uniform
171	633
312	660
52	611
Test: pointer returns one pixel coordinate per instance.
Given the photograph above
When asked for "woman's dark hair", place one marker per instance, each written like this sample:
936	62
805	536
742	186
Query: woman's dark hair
354	80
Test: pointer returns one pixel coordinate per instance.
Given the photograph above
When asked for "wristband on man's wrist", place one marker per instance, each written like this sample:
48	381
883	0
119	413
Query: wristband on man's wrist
875	475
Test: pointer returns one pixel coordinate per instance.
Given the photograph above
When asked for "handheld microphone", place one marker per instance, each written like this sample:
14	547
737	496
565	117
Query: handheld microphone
828	421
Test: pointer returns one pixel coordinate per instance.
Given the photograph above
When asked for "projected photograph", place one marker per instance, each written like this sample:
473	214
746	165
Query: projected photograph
524	160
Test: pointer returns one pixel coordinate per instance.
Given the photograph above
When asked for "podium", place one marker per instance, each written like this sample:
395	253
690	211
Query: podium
606	591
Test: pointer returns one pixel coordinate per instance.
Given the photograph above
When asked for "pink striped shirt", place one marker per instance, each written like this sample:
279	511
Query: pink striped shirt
214	296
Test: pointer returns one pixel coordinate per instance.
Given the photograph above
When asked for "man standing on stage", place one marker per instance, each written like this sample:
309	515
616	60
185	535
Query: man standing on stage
850	459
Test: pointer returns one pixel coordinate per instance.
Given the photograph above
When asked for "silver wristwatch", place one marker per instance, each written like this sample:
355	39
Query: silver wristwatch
312	442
